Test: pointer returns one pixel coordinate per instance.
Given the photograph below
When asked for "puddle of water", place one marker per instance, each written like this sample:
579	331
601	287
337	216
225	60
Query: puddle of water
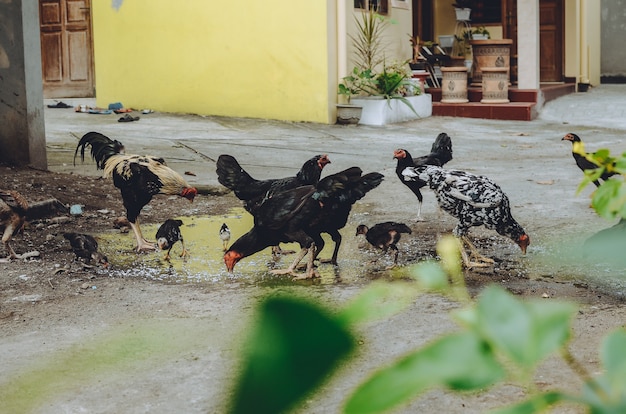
565	258
205	263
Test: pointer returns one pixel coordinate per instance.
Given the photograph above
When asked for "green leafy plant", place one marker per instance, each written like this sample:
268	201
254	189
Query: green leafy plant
368	42
500	338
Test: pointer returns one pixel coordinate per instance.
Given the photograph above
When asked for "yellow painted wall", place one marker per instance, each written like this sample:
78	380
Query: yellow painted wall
256	59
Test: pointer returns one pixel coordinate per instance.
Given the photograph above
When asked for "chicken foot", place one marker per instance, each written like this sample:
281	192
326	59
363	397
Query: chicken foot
142	243
475	259
310	272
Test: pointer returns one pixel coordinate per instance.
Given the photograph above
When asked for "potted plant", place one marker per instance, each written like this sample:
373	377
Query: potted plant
417	62
463	9
372	79
478	33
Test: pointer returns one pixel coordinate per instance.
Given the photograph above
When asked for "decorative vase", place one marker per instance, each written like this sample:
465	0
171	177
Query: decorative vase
348	114
495	85
454	84
490	53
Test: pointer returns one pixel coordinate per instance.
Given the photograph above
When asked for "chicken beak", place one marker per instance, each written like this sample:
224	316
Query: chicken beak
230	260
523	242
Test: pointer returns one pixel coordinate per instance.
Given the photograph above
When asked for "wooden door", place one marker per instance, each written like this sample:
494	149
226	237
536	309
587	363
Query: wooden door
551	40
509	11
66	48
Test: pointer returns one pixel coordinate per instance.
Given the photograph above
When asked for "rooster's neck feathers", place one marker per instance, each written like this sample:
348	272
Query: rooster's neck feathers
126	167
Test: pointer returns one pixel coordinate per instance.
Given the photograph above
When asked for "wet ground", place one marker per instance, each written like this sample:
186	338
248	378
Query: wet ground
153	336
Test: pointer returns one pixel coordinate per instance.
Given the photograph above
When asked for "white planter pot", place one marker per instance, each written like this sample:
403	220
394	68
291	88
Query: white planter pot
382	111
462	15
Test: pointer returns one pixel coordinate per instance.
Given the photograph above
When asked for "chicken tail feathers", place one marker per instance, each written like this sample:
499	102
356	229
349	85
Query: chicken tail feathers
232	176
347	187
442	148
102	147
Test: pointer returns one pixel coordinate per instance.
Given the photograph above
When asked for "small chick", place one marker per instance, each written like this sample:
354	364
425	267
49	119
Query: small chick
86	247
225	236
384	236
168	234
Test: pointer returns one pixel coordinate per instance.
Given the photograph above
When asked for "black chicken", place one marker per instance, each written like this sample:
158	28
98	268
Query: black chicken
85	247
474	200
139	178
384	236
300	215
168	234
15	211
337	209
440	154
224	236
582	162
252	191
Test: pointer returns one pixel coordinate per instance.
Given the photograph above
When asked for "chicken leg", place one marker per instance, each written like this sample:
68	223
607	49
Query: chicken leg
479	260
6	238
142	244
310	271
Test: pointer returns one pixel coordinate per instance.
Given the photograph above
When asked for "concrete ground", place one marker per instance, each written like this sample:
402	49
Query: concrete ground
197	326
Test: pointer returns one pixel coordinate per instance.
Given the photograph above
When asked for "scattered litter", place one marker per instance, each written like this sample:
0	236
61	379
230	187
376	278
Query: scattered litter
85	285
23	277
146	111
520	134
60	220
28	255
545	296
546	182
123	110
76	210
103	211
60	104
116	105
100	111
27	298
190	173
128	118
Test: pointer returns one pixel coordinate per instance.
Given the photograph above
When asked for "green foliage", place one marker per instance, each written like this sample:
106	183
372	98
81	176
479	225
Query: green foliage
609	200
296	345
368	45
607	393
458	361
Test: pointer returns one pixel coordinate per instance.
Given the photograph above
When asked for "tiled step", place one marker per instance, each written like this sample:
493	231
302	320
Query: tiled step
523	105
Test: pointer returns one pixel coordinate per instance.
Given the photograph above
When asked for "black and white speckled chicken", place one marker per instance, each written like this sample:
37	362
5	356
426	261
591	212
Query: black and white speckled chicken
578	152
384	236
139	178
224	236
15	211
168	234
85	247
474	200
440	154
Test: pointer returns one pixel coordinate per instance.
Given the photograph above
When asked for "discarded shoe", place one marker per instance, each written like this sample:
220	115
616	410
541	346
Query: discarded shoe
147	111
100	111
60	104
128	118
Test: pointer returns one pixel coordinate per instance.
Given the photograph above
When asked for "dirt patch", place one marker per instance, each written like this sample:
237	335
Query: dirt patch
51	302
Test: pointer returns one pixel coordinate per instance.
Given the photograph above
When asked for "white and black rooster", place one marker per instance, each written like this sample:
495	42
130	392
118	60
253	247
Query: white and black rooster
474	200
